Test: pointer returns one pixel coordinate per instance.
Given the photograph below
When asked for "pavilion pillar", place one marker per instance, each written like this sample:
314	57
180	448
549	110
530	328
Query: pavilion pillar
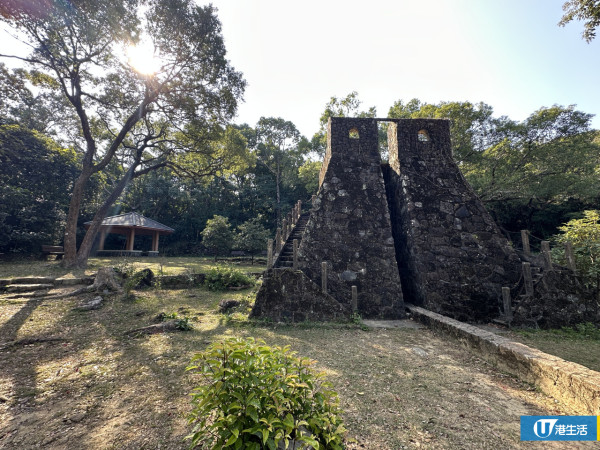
155	237
130	239
102	239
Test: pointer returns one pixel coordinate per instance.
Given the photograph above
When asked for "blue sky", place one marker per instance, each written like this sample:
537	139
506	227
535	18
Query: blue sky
510	54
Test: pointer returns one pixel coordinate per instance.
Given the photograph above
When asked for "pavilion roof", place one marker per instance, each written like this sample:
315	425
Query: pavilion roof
133	220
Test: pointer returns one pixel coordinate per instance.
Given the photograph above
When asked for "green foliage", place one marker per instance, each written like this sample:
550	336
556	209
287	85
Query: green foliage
252	236
115	115
582	331
217	236
183	323
255	397
586	10
308	174
222	278
584	234
356	319
280	148
35	176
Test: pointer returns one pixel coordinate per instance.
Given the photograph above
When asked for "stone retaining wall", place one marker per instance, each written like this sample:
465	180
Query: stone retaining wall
571	383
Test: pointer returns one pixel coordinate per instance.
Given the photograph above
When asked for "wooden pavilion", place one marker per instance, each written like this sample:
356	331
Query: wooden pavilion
130	225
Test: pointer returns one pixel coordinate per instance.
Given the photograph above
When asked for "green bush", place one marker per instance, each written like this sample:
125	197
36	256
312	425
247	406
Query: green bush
255	397
222	278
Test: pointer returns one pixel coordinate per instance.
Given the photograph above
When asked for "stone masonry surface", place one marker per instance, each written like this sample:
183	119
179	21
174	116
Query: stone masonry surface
412	230
453	258
349	227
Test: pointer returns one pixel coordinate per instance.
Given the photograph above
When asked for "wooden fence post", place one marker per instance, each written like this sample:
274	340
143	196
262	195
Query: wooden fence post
269	253
354	299
284	230
528	280
547	255
278	241
324	277
525	241
570	256
506	301
295	264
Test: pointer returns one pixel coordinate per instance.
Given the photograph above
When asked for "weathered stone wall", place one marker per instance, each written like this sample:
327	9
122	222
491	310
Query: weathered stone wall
412	229
290	296
350	227
560	298
453	258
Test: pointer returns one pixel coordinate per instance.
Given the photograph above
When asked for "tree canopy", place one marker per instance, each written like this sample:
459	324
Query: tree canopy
34	171
140	121
586	10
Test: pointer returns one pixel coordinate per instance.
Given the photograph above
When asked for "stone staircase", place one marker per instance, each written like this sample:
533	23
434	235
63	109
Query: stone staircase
286	255
38	286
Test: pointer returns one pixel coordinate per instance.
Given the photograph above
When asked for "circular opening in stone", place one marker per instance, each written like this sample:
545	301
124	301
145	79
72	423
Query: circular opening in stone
423	136
353	133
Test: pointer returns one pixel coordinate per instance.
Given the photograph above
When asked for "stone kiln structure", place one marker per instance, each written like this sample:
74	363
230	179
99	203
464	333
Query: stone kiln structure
454	258
381	234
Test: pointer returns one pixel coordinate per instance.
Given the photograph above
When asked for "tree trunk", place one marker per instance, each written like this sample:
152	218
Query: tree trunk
277	181
83	253
70	238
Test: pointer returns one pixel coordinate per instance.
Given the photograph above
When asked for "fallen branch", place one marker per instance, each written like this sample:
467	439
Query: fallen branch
95	303
29	341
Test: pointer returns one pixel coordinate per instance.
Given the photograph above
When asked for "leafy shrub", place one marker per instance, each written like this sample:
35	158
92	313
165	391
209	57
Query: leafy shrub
183	323
222	278
584	234
217	237
257	396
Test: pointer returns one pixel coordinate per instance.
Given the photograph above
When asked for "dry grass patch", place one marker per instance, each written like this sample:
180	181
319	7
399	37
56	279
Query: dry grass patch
162	265
95	388
580	344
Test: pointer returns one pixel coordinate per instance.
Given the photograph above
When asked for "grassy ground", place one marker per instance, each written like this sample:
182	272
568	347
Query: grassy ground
161	265
74	380
578	344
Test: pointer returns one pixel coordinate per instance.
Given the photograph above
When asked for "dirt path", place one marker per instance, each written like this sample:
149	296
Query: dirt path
96	389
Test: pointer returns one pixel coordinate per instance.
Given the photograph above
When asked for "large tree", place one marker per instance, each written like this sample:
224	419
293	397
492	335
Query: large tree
141	117
279	150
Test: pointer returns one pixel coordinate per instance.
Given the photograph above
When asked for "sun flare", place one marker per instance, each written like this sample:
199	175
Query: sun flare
143	58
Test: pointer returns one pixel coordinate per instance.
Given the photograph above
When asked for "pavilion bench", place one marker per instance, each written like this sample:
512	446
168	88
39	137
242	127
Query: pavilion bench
57	250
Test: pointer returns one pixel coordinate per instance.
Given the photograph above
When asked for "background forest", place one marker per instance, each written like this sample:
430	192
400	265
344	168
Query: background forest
536	174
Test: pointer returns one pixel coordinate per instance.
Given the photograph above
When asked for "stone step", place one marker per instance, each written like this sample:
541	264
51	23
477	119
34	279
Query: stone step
18	288
501	321
26	280
73	281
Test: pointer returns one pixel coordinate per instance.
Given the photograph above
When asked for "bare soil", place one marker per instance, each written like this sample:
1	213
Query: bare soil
74	380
